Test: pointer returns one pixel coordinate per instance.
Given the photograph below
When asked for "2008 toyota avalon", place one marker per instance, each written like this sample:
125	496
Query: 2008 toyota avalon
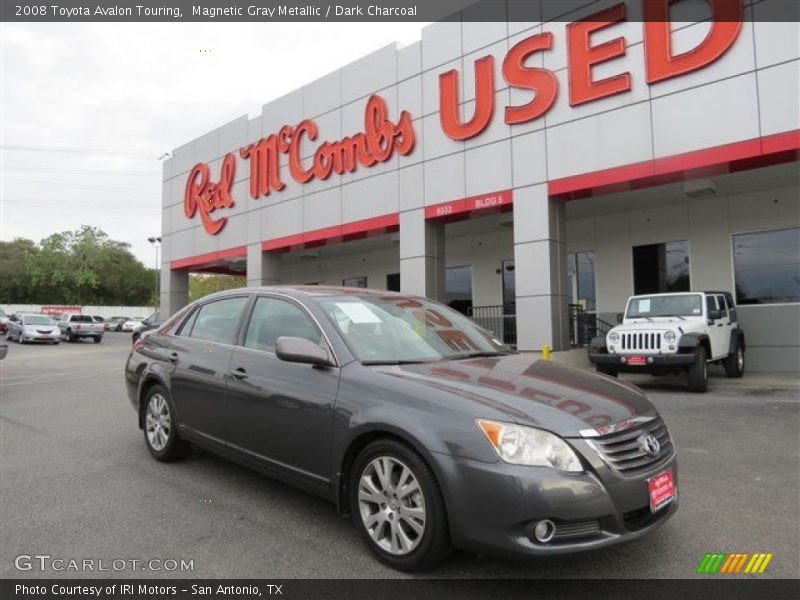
414	420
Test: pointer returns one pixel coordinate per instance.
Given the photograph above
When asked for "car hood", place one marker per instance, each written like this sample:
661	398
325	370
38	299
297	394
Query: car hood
541	393
42	327
661	323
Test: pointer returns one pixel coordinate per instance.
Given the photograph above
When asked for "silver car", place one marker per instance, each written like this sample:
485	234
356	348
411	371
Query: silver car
32	328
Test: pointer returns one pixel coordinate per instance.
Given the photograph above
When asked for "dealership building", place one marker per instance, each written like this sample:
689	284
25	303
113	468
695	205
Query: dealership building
531	174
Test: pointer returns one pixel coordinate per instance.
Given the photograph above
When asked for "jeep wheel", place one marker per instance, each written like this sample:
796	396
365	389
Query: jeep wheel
698	372
734	364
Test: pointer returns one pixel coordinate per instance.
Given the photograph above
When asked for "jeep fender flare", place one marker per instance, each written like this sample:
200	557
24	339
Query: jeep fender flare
695	340
737	338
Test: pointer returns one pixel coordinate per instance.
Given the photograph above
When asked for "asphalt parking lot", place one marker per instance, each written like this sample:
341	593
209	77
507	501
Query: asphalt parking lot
77	482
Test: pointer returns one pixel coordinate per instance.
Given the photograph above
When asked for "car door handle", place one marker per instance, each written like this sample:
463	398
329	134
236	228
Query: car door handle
239	373
173	357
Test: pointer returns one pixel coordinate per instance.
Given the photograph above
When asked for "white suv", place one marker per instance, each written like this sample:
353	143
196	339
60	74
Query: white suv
668	333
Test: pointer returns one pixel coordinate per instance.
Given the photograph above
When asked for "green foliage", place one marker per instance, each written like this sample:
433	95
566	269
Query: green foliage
201	284
74	267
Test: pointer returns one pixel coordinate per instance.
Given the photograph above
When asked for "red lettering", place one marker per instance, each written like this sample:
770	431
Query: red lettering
206	196
310	130
484	101
726	23
541	81
582	56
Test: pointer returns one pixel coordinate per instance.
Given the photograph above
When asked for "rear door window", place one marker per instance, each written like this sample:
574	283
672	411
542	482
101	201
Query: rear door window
218	321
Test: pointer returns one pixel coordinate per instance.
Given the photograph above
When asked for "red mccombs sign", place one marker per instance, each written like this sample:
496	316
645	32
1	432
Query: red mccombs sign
382	137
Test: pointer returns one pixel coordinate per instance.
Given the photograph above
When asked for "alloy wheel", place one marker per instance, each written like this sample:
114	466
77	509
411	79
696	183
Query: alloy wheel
392	505
157	422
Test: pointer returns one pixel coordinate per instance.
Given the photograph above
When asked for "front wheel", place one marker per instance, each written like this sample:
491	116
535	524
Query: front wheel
734	364
397	507
698	372
161	428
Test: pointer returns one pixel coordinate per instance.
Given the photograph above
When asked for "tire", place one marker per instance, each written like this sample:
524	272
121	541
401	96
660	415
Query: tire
411	545
697	374
69	337
97	338
161	436
734	364
606	371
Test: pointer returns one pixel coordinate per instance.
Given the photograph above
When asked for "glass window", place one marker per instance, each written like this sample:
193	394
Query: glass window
355	282
186	328
509	282
585	276
661	268
37	320
679	305
398	329
273	318
393	282
218	321
458	288
767	266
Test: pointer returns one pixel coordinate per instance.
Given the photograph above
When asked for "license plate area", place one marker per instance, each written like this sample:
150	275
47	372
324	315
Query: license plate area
661	489
636	360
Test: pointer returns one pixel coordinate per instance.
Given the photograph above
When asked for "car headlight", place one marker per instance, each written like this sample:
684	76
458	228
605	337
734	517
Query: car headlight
521	445
669	336
613	337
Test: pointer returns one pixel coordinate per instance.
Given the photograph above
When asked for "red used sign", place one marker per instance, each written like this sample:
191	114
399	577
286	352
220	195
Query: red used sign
60	309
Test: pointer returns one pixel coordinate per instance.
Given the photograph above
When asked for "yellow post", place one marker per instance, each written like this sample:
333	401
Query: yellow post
545	352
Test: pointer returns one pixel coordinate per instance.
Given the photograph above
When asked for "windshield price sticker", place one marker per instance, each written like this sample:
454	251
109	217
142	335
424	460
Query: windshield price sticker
358	312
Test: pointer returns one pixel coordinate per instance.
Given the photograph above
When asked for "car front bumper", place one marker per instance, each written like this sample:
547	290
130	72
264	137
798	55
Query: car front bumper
653	362
494	507
41	337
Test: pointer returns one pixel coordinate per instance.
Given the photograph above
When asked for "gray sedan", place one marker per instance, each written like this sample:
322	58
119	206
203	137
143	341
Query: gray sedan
412	419
32	328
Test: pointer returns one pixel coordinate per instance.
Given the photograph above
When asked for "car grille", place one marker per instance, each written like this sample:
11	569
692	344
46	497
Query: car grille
623	452
642	340
45	331
640	518
576	529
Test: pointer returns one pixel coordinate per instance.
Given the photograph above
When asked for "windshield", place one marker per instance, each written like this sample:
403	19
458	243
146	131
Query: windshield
37	320
685	305
397	329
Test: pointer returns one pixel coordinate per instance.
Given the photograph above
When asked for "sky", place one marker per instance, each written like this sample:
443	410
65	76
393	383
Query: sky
87	109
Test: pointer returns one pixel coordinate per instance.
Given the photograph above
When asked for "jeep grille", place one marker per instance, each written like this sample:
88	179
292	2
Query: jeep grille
641	341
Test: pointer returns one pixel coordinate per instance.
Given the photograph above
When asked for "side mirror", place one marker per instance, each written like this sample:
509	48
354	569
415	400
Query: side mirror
619	317
713	315
300	350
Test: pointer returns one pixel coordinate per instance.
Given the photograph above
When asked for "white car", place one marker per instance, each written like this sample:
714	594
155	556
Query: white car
669	333
132	324
32	328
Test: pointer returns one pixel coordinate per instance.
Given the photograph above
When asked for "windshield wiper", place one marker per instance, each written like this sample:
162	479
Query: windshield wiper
481	354
678	316
395	362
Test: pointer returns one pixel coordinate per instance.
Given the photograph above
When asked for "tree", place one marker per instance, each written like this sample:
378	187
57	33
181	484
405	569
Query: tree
15	285
76	267
201	284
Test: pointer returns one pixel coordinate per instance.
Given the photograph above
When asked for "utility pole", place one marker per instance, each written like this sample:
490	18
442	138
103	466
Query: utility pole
156	242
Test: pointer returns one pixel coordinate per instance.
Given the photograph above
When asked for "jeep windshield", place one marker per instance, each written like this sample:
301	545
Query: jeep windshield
400	330
682	305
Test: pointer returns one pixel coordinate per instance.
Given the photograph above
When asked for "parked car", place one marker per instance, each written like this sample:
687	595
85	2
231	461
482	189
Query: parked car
3	320
98	319
151	322
74	327
32	327
132	324
114	323
425	429
674	333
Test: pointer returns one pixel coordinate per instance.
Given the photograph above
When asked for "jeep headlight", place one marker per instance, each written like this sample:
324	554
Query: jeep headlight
669	336
613	337
521	445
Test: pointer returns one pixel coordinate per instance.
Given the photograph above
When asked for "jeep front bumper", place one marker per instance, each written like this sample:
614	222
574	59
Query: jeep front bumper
653	362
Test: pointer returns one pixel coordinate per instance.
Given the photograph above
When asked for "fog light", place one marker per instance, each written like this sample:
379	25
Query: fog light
672	347
544	531
649	360
611	348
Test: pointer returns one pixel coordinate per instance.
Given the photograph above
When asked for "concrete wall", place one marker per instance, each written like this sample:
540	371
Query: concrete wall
100	311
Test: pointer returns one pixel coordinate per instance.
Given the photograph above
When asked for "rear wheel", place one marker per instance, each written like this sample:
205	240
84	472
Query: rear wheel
97	339
161	428
697	374
70	337
397	506
734	364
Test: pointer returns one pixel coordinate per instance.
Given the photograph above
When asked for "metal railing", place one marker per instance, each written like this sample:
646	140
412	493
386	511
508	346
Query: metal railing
500	319
583	326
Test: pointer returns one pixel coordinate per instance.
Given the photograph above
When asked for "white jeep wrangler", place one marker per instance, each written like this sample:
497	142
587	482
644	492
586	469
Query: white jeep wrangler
669	333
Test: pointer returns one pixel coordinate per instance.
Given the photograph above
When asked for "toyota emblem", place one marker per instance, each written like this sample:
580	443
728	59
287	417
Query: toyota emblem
649	444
